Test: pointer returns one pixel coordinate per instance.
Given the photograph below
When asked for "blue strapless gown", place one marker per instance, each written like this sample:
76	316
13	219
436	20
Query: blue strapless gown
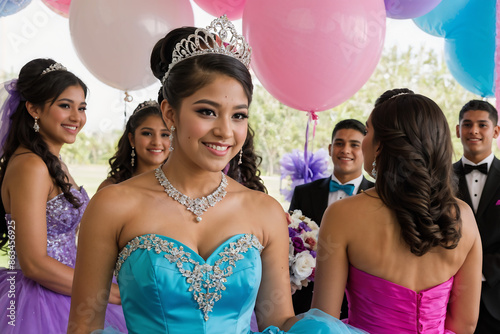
168	288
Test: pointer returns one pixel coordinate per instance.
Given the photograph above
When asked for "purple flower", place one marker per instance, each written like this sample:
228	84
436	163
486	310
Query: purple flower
298	245
292	233
313	254
304	227
498	202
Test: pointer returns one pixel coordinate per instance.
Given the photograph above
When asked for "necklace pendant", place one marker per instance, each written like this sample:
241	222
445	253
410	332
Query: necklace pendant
197	205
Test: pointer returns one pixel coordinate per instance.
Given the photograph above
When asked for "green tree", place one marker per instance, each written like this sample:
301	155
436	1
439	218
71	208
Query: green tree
280	129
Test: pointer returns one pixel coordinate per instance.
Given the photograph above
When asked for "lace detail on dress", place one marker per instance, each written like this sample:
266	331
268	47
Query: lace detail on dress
206	281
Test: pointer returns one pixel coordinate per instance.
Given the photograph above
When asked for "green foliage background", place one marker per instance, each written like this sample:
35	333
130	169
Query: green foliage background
280	129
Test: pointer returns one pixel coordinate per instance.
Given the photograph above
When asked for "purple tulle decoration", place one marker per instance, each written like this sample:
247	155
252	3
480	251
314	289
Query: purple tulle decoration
11	97
293	166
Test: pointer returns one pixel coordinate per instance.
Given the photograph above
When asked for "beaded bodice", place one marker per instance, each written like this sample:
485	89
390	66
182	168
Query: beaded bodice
62	222
169	284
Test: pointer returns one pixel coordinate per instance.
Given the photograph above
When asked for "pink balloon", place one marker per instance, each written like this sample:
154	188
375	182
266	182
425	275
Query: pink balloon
61	7
114	38
314	55
232	8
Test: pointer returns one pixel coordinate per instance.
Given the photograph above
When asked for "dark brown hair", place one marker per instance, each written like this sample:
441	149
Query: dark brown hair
190	75
37	89
414	169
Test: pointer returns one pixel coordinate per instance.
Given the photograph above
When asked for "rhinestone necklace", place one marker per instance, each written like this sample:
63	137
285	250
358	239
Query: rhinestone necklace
197	206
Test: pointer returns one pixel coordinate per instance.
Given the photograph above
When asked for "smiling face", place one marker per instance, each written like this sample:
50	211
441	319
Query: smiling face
61	121
347	157
151	142
211	125
476	131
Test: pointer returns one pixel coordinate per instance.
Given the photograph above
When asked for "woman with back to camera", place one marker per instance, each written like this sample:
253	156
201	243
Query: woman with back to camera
196	249
41	202
143	146
411	257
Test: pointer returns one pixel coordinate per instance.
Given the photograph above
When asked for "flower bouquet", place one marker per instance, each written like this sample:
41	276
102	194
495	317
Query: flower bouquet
303	237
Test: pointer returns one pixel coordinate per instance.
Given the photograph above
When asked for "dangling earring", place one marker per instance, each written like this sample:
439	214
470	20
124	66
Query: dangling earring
36	127
374	170
241	154
171	138
132	155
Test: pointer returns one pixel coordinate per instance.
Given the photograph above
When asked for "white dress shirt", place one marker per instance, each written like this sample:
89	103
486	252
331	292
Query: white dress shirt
336	195
476	180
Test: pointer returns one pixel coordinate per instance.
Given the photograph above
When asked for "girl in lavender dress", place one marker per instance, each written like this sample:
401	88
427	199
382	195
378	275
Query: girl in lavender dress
42	204
408	249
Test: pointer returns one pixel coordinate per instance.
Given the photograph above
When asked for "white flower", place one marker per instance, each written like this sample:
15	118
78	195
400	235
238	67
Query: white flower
303	266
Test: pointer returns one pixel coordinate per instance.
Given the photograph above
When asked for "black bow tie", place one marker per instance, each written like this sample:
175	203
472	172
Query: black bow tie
483	168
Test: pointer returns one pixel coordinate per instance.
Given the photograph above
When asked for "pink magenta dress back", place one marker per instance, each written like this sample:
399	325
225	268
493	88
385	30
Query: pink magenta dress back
382	307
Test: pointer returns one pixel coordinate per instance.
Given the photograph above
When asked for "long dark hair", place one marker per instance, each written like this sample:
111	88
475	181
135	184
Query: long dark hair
38	89
120	163
191	74
414	174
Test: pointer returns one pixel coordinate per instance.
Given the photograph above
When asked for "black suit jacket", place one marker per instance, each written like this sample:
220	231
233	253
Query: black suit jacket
488	222
312	199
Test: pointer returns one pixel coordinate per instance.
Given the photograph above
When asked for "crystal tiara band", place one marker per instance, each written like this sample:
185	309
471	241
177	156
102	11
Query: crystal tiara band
219	37
399	94
54	67
145	104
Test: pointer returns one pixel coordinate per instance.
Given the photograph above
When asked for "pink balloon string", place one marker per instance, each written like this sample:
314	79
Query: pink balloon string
312	116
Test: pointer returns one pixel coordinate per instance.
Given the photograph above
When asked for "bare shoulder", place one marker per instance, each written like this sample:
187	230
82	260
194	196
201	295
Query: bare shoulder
350	209
27	168
468	221
262	209
109	181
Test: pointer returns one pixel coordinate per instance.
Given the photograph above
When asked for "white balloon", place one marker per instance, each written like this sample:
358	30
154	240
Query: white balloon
114	38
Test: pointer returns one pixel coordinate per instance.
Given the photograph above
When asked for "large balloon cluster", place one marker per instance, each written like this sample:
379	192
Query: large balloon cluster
469	31
310	55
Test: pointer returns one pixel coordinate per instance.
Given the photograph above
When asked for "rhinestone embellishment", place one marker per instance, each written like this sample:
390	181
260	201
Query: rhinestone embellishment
205	281
197	206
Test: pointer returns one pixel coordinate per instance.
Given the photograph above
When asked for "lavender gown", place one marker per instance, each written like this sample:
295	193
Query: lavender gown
27	307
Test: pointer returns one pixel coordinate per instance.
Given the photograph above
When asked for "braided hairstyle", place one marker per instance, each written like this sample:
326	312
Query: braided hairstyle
414	176
193	73
38	89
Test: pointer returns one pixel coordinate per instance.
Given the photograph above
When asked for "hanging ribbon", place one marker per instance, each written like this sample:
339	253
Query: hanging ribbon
312	116
128	98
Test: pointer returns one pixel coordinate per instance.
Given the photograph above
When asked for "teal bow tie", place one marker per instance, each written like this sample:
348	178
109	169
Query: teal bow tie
347	188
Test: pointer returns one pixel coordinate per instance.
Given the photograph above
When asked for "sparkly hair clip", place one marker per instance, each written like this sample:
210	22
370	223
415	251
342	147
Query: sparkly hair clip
399	94
219	37
54	67
146	104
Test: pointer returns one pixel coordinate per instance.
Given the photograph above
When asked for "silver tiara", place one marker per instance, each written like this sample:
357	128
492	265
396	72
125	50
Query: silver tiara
219	37
146	104
399	94
54	67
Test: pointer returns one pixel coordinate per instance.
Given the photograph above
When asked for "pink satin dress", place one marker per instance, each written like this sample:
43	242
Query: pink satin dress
382	307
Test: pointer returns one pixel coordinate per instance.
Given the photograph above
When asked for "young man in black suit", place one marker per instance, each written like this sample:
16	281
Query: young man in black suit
479	185
313	198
